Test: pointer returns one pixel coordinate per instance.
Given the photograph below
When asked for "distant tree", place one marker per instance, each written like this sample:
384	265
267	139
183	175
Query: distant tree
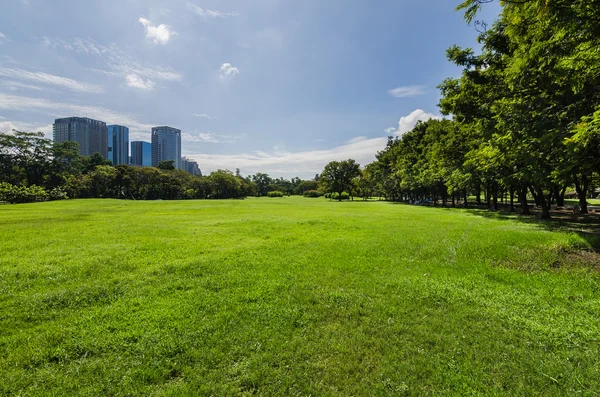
262	182
167	165
337	176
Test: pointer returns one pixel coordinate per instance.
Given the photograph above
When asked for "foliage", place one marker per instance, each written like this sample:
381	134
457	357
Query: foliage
275	193
340	196
21	194
312	193
338	176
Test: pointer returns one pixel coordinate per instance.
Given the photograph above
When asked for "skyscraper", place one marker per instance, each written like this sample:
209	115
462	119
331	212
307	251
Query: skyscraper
118	144
141	153
190	166
166	145
90	134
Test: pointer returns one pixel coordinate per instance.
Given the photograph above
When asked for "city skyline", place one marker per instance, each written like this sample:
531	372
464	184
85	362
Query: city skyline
112	143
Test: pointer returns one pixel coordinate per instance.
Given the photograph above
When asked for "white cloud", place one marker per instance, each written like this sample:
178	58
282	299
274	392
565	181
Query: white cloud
391	130
407	123
7	127
210	13
228	72
41	77
17	86
118	62
138	130
205	116
209	137
287	164
3	36
135	81
407	92
160	34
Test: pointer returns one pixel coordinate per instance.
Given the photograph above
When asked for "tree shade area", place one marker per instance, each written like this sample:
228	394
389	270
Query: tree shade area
294	296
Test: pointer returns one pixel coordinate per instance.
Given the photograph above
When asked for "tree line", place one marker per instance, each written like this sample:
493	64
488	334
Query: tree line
523	118
33	168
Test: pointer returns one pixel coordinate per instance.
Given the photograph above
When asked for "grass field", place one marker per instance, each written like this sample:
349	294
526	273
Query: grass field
294	297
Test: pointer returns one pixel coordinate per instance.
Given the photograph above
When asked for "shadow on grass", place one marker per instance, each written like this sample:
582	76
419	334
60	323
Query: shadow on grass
587	226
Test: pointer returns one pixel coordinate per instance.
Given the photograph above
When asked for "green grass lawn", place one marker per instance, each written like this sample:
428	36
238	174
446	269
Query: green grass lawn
291	296
594	202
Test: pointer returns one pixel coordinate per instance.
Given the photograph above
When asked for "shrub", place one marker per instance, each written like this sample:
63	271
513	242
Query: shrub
312	193
21	194
336	196
327	195
58	194
275	193
189	194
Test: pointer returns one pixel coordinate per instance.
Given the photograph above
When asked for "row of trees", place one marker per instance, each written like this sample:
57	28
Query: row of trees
525	115
35	168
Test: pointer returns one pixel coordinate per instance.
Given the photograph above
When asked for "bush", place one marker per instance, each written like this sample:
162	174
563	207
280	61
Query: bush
327	195
336	196
189	194
58	194
21	194
275	193
312	193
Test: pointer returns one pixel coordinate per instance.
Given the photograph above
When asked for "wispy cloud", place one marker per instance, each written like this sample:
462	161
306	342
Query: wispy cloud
407	92
289	164
407	123
210	13
205	116
117	62
160	34
18	86
46	78
228	71
3	36
209	137
53	109
135	81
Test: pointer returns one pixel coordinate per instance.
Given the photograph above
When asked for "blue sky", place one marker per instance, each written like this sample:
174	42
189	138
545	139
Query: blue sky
274	86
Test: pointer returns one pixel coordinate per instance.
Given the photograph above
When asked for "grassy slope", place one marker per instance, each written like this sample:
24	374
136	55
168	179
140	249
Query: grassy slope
291	297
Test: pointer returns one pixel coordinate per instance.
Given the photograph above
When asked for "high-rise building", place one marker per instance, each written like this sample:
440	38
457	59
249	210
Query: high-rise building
141	153
166	145
90	134
190	166
118	144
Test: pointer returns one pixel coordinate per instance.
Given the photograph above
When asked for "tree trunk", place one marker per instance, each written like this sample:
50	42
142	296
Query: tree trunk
536	197
560	196
478	194
453	201
495	198
512	199
466	203
524	204
581	186
545	209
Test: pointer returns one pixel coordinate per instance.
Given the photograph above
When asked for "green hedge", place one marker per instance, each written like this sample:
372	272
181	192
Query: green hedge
336	196
275	193
312	193
21	194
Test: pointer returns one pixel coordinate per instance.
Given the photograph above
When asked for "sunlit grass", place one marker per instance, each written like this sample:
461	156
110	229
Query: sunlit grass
290	296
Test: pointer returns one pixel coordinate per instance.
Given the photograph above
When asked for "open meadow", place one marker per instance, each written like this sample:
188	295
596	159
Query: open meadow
293	296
